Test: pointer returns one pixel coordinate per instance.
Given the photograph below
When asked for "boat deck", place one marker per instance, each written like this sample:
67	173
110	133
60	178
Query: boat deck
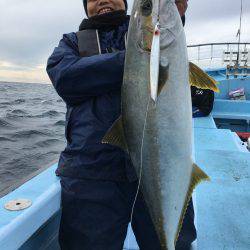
221	206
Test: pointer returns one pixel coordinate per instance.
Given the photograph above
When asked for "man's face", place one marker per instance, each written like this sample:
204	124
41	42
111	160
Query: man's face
97	7
182	6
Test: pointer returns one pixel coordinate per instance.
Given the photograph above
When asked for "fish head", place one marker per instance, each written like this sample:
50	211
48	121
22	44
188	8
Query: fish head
170	23
148	14
172	42
144	16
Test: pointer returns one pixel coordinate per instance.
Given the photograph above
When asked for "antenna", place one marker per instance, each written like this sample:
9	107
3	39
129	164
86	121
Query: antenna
239	31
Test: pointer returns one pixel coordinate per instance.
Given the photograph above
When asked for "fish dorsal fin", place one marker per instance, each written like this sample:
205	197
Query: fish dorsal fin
115	135
198	175
201	79
163	77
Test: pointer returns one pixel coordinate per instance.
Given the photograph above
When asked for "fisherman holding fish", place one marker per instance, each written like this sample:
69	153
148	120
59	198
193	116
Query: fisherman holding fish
98	181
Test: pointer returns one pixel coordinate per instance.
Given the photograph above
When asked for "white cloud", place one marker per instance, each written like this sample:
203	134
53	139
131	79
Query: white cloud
29	30
216	21
17	73
223	30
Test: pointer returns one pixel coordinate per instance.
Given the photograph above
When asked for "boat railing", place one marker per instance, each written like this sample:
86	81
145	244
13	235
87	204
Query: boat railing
235	57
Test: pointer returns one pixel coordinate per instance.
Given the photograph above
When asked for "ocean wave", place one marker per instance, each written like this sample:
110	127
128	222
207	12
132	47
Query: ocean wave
18	101
6	103
53	154
50	113
3	89
47	143
47	102
29	133
7	174
4	123
31	129
5	139
47	114
16	113
37	99
60	123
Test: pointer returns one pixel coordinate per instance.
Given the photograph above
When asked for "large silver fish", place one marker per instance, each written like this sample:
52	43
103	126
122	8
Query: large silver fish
156	123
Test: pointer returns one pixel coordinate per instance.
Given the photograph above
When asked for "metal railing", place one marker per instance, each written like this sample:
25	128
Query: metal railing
218	55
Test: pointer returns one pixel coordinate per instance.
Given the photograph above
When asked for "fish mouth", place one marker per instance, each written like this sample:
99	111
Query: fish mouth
104	10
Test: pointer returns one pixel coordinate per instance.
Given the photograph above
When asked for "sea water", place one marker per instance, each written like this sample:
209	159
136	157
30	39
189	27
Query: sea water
32	119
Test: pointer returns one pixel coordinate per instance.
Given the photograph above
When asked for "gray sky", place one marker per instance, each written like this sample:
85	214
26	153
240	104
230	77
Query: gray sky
30	29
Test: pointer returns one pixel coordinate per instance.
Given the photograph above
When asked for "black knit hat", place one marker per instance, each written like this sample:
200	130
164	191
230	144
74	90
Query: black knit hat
86	1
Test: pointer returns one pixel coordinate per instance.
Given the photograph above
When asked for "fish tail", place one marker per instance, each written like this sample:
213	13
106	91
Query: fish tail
198	175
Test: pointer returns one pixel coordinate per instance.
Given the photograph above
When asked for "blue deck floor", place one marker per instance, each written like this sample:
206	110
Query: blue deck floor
222	206
223	213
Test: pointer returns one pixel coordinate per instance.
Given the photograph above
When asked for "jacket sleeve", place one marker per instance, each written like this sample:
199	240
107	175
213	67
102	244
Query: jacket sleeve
77	78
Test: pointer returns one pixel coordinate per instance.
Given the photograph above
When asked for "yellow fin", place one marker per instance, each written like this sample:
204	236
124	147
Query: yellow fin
115	135
198	175
201	79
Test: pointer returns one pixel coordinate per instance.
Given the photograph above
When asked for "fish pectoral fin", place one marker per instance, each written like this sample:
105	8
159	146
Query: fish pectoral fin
200	79
198	175
115	135
163	77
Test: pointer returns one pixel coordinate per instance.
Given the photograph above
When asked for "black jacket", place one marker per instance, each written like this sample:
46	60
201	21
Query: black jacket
91	88
202	101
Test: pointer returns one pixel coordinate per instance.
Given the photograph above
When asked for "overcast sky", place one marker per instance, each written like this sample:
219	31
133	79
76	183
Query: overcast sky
30	29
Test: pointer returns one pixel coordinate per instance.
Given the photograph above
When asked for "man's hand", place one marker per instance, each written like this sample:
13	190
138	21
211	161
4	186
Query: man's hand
182	6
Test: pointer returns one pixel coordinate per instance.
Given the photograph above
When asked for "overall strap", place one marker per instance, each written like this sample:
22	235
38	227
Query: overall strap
88	43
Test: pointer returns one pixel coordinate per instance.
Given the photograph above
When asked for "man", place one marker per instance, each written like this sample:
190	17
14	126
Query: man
98	180
202	101
182	7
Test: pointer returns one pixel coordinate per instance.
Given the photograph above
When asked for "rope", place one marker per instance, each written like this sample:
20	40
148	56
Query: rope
140	174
